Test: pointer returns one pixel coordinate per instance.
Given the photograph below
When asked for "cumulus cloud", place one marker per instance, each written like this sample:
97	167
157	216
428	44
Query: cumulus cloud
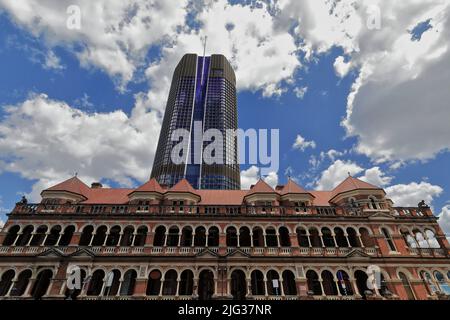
48	140
336	173
302	144
2	223
341	67
409	195
300	92
444	220
376	177
251	176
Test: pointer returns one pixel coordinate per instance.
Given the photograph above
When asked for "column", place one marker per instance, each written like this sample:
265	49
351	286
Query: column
59	238
238	234
120	287
92	238
278	239
193	239
264	236
321	286
179	239
165	238
360	240
251	239
346	239
45	238
106	239
280	283
17	238
177	293
120	238
29	240
321	239
161	287
334	239
206	240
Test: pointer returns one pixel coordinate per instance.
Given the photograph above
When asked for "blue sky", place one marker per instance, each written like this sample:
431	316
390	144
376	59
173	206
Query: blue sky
91	100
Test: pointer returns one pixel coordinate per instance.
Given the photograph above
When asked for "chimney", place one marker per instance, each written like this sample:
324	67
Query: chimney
96	185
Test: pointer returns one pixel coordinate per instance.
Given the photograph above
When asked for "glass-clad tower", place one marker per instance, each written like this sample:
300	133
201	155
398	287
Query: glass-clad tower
203	92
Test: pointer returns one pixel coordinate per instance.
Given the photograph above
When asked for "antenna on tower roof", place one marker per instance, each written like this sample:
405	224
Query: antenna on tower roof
204	45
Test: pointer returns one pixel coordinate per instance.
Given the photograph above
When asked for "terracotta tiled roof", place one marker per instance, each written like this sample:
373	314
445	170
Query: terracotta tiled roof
222	197
150	186
183	186
292	188
350	184
260	187
321	198
73	185
108	196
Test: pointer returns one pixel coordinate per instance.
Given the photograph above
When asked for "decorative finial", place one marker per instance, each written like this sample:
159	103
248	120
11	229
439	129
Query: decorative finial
76	174
349	174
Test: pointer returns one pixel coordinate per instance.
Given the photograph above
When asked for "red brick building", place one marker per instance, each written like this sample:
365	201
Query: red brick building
180	243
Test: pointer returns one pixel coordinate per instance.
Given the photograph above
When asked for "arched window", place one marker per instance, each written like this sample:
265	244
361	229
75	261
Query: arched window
289	285
186	237
53	236
442	283
206	287
25	237
6	282
314	238
127	236
113	289
67	236
41	284
366	238
285	240
420	239
39	236
361	282
245	239
11	236
429	283
160	236
232	238
353	238
238	285
328	283
96	283
257	280
73	294
200	237
141	236
22	283
341	240
273	283
129	283
373	205
86	236
173	236
186	283
100	236
154	283
407	286
410	241
258	237
170	283
384	288
388	238
302	237
114	236
313	281
327	237
271	237
213	237
431	238
344	284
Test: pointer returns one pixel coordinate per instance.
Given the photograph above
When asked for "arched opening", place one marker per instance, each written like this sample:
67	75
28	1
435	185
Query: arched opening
384	288
388	238
6	282
245	240
186	283
186	237
206	285
39	236
361	283
113	236
289	285
25	237
42	284
328	283
344	284
258	237
257	281
127	237
141	236
420	239
238	285
431	238
428	282
232	238
11	236
160	236
100	236
373	205
410	241
273	283
271	238
213	237
129	283
170	283
200	237
53	236
67	236
302	237
353	238
112	283
96	283
314	238
21	285
72	294
285	240
327	236
407	286
173	237
366	238
312	279
86	236
443	285
341	240
154	283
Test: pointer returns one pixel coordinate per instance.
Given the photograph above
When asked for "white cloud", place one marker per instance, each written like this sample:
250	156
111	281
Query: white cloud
302	144
2	223
341	67
444	220
48	140
336	173
300	92
409	195
251	176
376	177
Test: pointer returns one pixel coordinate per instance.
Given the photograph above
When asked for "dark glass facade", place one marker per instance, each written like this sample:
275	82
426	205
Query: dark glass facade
203	91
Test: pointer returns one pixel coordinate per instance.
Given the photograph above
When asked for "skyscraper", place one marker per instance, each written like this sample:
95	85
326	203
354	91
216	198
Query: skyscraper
202	93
